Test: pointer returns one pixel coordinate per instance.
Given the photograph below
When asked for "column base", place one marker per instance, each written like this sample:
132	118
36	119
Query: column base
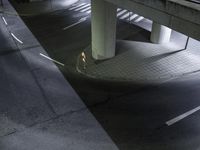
160	34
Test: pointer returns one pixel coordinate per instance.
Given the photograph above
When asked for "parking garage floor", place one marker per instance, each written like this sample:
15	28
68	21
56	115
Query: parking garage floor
40	109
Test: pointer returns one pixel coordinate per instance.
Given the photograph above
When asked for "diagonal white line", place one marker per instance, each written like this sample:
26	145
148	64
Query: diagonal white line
82	7
77	6
57	62
86	9
139	19
121	12
74	24
118	9
124	16
179	118
16	38
4	20
133	17
88	12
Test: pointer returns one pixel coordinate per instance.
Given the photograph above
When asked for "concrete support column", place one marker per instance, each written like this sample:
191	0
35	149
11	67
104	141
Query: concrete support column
103	29
160	34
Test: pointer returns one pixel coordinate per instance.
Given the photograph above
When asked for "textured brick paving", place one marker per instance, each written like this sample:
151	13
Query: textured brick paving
143	62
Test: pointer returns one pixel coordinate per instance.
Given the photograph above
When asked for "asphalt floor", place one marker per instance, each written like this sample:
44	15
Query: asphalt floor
39	109
47	105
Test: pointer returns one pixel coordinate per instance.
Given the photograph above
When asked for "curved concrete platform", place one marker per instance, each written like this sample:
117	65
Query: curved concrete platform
141	62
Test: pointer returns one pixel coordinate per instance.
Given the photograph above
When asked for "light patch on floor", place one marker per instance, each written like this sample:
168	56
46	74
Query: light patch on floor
143	62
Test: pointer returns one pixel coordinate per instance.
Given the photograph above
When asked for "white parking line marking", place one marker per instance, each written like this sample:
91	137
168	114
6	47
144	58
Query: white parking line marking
4	20
124	16
121	12
82	7
88	12
139	19
72	25
16	38
133	17
86	9
179	118
57	62
77	6
118	9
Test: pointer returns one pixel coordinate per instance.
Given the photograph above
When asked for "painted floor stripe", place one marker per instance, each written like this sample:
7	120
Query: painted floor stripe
88	12
139	19
133	17
179	118
118	9
80	21
4	20
57	62
82	7
86	9
121	12
125	16
18	40
77	6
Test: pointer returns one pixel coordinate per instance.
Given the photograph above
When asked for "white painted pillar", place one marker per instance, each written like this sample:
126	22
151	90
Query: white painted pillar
103	29
160	34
